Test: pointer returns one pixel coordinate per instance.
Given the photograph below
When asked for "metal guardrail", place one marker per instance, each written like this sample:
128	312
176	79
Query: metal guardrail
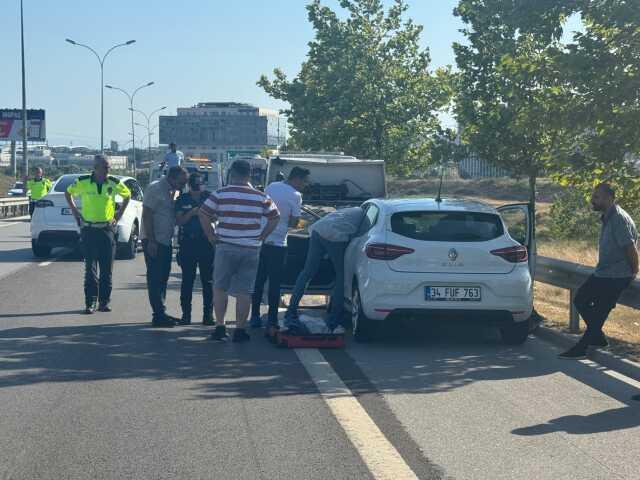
14	207
570	276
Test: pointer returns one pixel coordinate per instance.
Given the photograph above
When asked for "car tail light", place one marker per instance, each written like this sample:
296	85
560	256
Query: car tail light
512	254
44	203
383	251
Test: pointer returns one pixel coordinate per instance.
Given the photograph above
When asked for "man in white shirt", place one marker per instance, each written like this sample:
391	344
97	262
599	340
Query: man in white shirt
173	158
288	199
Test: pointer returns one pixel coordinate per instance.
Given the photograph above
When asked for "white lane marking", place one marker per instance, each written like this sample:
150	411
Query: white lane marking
46	264
380	456
14	221
612	373
601	368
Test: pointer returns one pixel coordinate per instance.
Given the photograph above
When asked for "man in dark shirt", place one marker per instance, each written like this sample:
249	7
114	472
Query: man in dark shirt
617	267
195	251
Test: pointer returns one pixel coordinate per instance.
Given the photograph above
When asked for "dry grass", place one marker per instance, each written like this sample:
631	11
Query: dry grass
6	182
622	327
552	303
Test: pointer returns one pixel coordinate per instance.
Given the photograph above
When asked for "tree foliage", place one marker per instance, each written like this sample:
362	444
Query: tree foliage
603	67
365	87
510	97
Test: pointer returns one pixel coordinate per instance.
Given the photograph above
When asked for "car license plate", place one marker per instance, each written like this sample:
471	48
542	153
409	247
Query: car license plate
453	294
66	211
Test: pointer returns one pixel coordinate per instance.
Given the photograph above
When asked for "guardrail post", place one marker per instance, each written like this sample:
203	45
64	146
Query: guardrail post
574	316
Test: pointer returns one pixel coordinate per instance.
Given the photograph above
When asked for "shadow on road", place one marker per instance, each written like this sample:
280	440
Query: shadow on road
32	355
414	361
607	421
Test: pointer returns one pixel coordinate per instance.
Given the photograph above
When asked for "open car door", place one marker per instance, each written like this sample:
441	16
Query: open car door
520	222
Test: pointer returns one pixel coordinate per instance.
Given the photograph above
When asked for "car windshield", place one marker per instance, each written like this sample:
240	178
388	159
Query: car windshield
447	226
18	185
64	182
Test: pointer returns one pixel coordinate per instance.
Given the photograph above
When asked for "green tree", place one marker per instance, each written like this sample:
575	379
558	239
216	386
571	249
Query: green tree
511	100
603	66
365	87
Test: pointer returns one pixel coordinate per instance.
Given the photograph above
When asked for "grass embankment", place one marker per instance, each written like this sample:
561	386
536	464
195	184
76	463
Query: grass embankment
623	326
6	182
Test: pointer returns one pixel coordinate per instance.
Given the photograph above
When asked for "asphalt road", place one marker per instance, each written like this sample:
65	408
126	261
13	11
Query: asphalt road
107	397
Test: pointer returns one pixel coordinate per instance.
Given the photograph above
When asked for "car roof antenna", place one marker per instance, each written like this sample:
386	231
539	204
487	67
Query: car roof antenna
439	197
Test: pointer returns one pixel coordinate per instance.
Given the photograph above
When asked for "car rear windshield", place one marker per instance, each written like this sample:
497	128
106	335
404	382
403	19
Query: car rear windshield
447	226
64	182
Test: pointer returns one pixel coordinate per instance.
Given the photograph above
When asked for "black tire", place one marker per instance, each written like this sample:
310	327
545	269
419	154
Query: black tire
515	334
40	251
364	329
128	251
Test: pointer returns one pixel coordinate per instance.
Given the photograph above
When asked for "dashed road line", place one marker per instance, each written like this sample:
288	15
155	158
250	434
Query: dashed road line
379	455
612	373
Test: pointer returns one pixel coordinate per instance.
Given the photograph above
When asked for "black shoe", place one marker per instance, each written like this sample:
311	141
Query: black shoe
89	309
163	322
175	320
104	307
207	318
271	329
240	335
220	334
575	353
185	320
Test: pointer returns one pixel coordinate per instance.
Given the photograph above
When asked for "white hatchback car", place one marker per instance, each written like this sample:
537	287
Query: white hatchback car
53	225
453	260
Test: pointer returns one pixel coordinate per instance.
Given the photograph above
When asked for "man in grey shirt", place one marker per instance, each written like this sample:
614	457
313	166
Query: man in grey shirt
158	223
329	236
617	267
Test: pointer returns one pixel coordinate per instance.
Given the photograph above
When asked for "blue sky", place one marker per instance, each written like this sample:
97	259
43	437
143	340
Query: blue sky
194	50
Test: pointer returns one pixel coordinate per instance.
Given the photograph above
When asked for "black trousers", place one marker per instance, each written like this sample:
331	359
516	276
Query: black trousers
98	247
32	207
271	267
158	270
196	254
594	301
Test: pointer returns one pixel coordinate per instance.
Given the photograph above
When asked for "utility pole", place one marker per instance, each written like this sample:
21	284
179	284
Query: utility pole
14	161
24	99
133	131
101	61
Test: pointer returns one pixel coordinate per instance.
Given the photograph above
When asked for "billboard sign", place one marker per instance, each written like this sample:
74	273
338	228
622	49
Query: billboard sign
11	125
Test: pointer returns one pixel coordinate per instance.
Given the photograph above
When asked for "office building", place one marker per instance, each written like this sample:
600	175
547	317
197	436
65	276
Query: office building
220	130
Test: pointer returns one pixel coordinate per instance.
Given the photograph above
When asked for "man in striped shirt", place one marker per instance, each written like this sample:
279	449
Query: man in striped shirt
237	210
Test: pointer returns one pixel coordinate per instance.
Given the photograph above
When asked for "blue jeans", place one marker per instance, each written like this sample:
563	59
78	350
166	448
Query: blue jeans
318	247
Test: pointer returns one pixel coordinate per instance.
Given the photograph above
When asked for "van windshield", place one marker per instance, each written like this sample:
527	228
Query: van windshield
447	226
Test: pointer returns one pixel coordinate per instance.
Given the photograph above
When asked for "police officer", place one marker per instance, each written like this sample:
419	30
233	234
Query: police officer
97	222
195	251
39	186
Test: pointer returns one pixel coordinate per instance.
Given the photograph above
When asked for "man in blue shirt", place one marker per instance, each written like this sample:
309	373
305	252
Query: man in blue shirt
195	251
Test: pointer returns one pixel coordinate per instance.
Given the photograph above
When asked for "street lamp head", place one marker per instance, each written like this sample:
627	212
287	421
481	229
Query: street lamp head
162	108
150	83
69	41
108	86
130	42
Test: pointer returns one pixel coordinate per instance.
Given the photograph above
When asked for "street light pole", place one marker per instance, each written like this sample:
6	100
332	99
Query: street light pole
25	157
133	132
148	118
101	61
